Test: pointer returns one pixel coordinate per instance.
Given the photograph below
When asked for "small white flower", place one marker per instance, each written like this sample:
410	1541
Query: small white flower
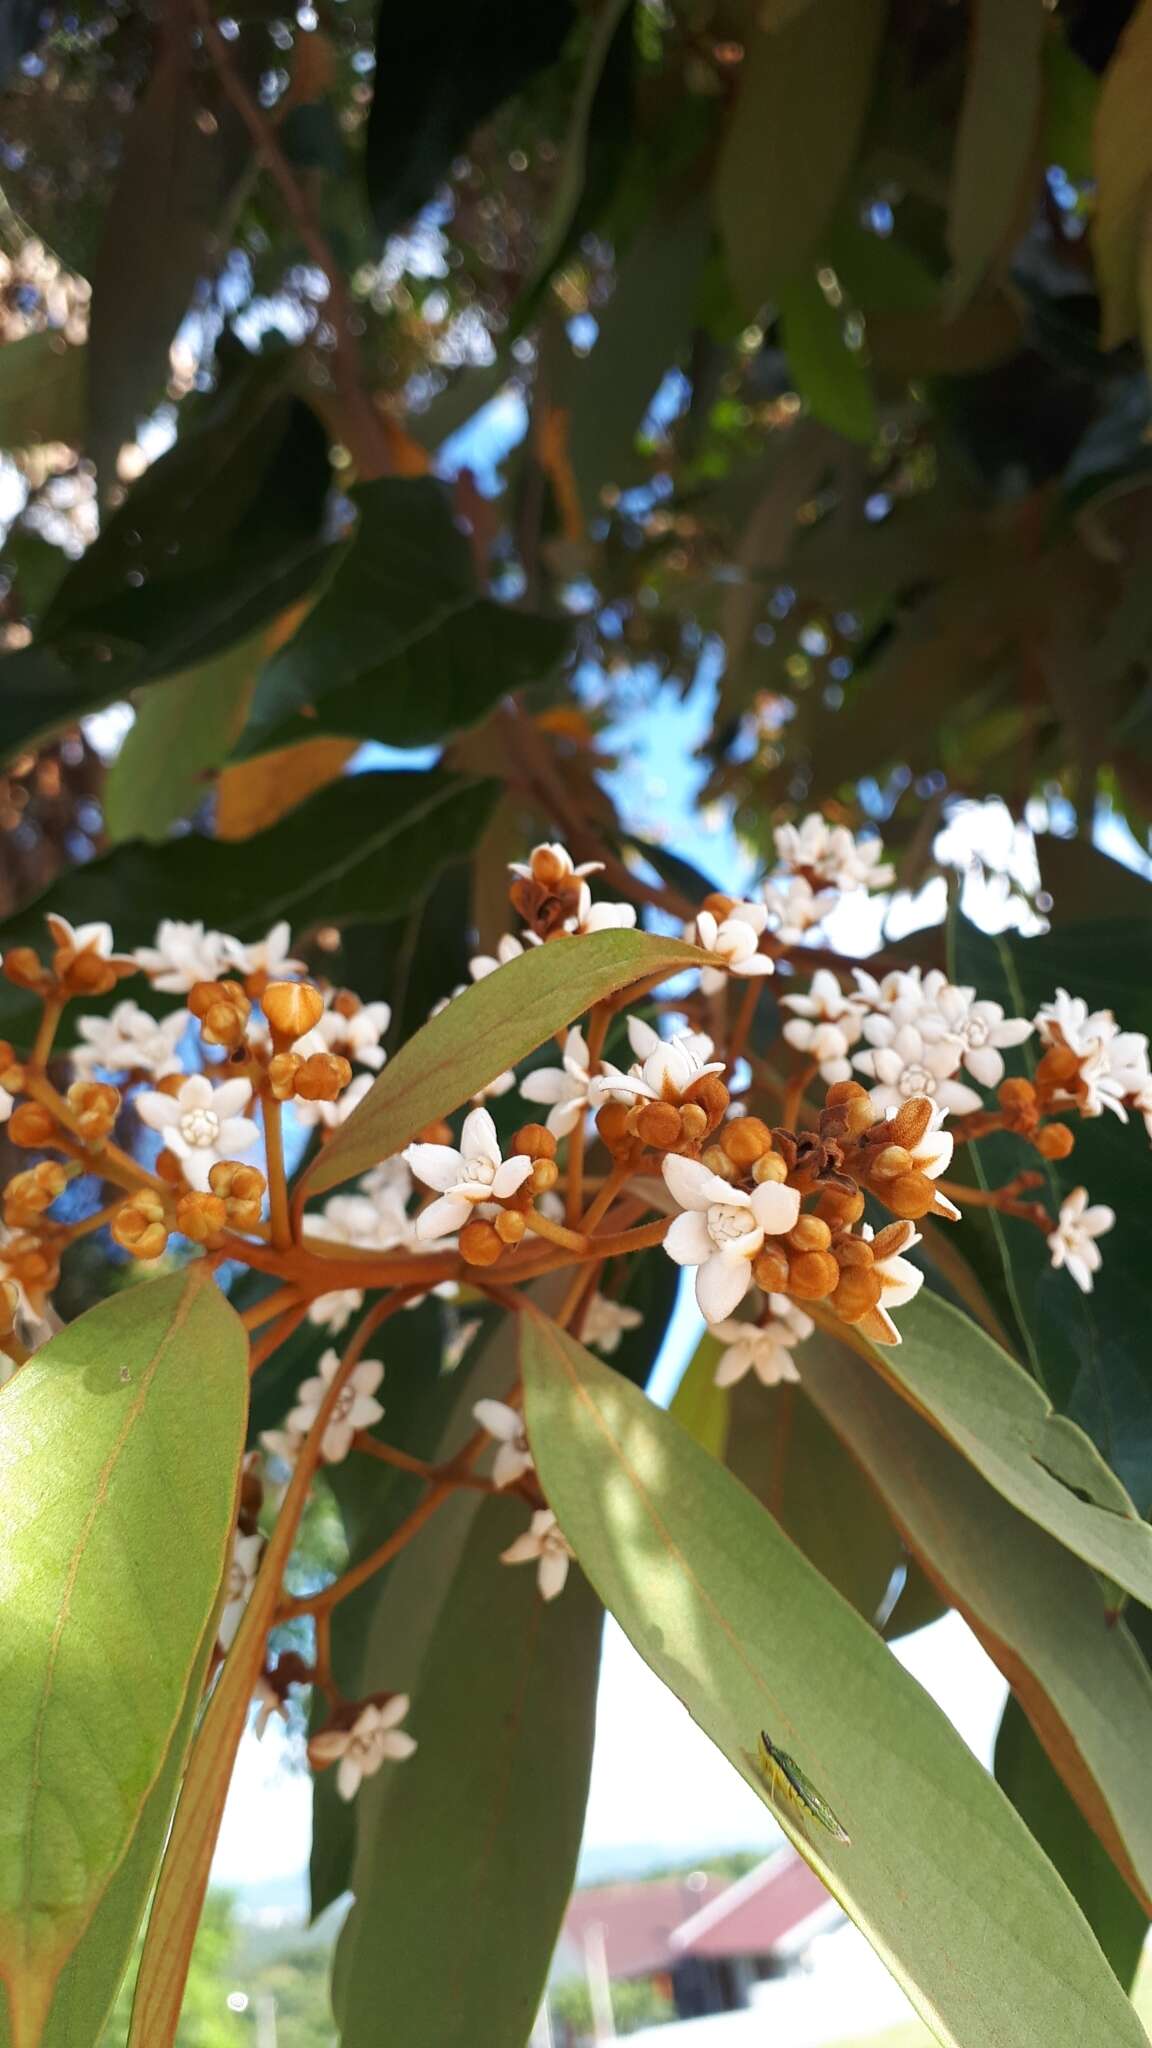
183	954
357	1037
826	1025
484	964
513	1459
335	1311
1073	1242
733	939
599	917
84	938
374	1738
980	1027
129	1040
831	853
493	1089
605	1322
903	1063
900	1280
356	1407
475	1173
556	863
665	1068
202	1124
568	1088
1067	1020
765	1349
332	1114
722	1230
794	907
246	1552
1113	1063
899	993
268	956
544	1542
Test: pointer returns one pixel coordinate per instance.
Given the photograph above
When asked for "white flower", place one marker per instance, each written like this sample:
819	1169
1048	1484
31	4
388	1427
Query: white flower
85	938
1067	1020
335	1311
356	1406
903	1063
765	1349
552	863
980	1027
183	954
900	992
374	1737
733	939
265	956
246	1552
569	1088
665	1068
721	1230
475	1173
794	907
931	1155
492	1089
202	1124
513	1459
357	1037
831	853
900	1280
7	1105
606	1321
129	1040
1073	1242
599	917
332	1114
543	1541
484	964
826	1025
1113	1063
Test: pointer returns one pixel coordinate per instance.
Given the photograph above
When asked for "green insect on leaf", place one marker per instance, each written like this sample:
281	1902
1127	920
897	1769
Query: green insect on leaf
786	1780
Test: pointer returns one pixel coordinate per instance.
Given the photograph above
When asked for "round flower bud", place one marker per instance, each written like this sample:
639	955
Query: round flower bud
509	1226
29	1194
658	1124
840	1208
811	1275
534	1141
1055	1141
911	1196
841	1092
718	1162
323	1076
283	1068
30	1124
480	1243
851	1251
769	1166
889	1163
86	973
201	1217
809	1235
711	1094
544	1175
693	1123
612	1124
859	1290
139	1226
24	967
770	1269
292	1008
95	1106
746	1139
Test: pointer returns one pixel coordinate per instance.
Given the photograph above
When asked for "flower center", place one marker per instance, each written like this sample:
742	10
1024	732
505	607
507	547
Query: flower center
479	1172
727	1223
976	1031
200	1127
917	1081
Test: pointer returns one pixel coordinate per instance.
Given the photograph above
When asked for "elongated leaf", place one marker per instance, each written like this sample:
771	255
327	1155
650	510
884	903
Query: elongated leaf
792	140
987	1405
1022	1767
1123	160
41	391
941	1875
365	848
133	1415
995	148
699	1405
1039	1613
495	1023
480	1835
182	732
831	378
401	647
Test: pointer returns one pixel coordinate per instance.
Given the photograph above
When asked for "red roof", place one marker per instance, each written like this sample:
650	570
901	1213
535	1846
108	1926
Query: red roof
638	1919
755	1914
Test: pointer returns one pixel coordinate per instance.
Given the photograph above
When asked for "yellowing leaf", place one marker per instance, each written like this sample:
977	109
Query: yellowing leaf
251	795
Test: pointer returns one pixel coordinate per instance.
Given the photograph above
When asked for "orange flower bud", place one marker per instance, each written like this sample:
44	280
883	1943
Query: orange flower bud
853	1251
323	1076
812	1275
718	1162
201	1217
169	1168
770	1269
693	1123
842	1092
29	1194
292	1008
889	1163
1055	1141
544	1175
810	1234
840	1208
480	1243
711	1094
24	966
911	1121
534	1141
612	1124
509	1226
139	1225
859	1290
30	1124
769	1166
746	1139
912	1195
657	1123
283	1068
95	1106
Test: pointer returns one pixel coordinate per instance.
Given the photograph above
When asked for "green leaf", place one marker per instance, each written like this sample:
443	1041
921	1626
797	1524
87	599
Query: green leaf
994	1412
1087	1350
1039	1613
941	1876
1071	97
1123	164
182	733
481	1829
995	147
493	1025
831	378
699	1405
365	847
792	140
133	1415
401	647
1115	1917
437	76
178	176
41	391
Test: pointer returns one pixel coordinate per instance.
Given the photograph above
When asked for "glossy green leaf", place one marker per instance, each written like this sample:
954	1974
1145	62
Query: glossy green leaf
831	378
133	1415
495	1023
941	1875
699	1405
481	1829
1041	1615
182	733
990	1408
995	147
401	647
792	140
364	848
41	391
1116	1918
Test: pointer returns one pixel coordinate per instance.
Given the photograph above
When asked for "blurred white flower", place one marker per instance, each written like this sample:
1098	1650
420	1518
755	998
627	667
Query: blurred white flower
543	1541
953	1013
831	853
734	940
765	1349
246	1553
355	1408
375	1737
794	907
599	917
665	1068
475	1173
900	1280
356	1037
129	1040
202	1124
722	1230
183	954
825	1026
335	1311
513	1459
568	1088
605	1322
1073	1242
484	964
268	956
903	1063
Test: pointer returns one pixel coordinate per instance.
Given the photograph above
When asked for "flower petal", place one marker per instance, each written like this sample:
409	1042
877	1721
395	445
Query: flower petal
438	1166
444	1216
775	1207
687	1240
478	1139
510	1175
231	1097
721	1284
692	1185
